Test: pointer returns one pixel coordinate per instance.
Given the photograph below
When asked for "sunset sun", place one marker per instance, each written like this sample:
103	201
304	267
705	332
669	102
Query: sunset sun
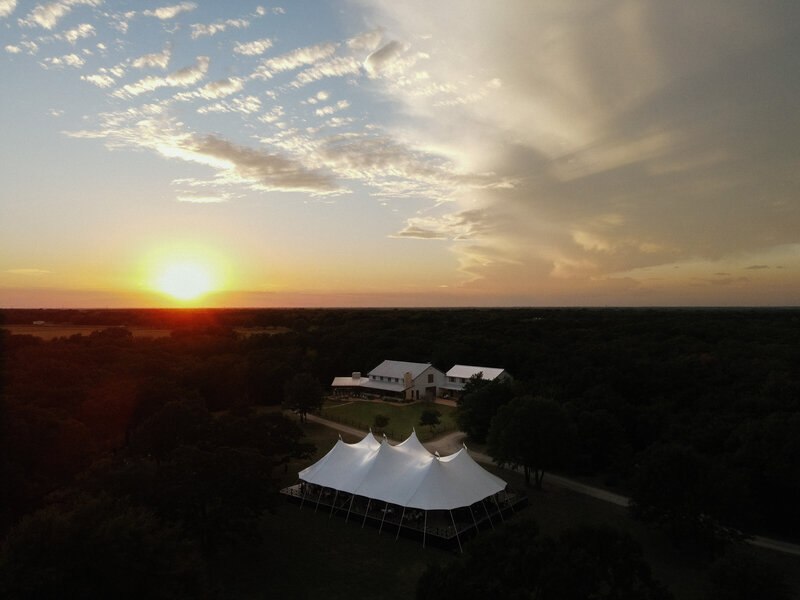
185	281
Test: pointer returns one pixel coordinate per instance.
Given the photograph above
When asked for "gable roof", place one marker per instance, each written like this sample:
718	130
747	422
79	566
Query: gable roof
397	368
405	474
465	372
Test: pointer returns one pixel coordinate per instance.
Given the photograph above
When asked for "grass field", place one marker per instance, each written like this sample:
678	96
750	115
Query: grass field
49	332
341	560
402	417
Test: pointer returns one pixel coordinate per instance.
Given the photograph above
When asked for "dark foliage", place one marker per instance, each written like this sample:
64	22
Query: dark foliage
724	384
740	576
533	433
581	563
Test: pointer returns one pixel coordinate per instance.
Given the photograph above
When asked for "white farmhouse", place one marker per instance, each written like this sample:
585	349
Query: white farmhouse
457	377
402	380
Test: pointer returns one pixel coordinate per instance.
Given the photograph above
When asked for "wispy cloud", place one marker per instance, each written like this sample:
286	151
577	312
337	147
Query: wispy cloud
253	48
233	163
170	12
200	30
68	60
28	272
7	7
296	58
84	30
181	78
155	59
202	199
48	15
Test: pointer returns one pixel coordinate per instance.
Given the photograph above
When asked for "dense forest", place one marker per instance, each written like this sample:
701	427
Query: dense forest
696	412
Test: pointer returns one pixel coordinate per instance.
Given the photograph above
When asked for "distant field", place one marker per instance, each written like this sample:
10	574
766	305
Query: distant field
49	332
402	417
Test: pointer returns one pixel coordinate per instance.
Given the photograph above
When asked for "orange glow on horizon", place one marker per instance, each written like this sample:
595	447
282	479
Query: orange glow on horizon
185	281
185	273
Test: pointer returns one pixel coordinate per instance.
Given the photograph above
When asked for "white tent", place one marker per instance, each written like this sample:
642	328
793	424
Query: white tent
406	474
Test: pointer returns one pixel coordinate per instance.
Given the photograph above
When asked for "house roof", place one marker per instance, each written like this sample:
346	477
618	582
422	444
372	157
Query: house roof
466	372
349	381
397	368
405	474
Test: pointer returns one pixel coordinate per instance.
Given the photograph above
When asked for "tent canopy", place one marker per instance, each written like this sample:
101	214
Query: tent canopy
406	474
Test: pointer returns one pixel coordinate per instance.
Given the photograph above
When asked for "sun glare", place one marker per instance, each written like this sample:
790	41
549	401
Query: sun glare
185	281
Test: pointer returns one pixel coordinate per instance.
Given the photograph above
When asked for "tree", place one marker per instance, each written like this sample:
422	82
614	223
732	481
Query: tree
380	422
478	403
303	395
739	575
533	433
674	488
430	417
582	563
98	547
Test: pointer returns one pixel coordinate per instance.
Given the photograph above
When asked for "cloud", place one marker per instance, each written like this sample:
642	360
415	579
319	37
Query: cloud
263	169
330	109
156	59
294	59
48	15
202	199
378	60
338	66
246	105
416	232
104	77
582	115
253	48
366	41
68	60
170	12
234	164
28	272
181	78
221	88
200	30
84	30
757	267
7	7
11	49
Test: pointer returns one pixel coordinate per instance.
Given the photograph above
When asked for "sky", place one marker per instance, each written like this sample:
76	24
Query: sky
415	153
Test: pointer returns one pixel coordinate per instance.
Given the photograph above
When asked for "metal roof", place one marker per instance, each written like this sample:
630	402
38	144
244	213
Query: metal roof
465	372
397	368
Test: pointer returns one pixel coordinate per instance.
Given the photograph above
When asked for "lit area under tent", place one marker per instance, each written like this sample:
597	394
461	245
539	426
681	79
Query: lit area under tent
406	489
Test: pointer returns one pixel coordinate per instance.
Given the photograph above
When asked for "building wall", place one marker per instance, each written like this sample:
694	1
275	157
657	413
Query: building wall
429	378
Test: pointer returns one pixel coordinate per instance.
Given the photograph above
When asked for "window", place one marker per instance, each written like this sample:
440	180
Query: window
430	377
451	379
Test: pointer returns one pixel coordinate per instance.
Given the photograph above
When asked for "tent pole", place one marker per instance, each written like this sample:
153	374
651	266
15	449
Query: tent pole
403	516
500	510
424	528
383	518
510	504
334	503
365	513
458	539
352	497
321	489
487	512
305	489
473	518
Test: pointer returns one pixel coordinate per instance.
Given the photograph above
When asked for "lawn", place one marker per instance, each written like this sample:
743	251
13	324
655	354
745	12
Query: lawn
402	417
